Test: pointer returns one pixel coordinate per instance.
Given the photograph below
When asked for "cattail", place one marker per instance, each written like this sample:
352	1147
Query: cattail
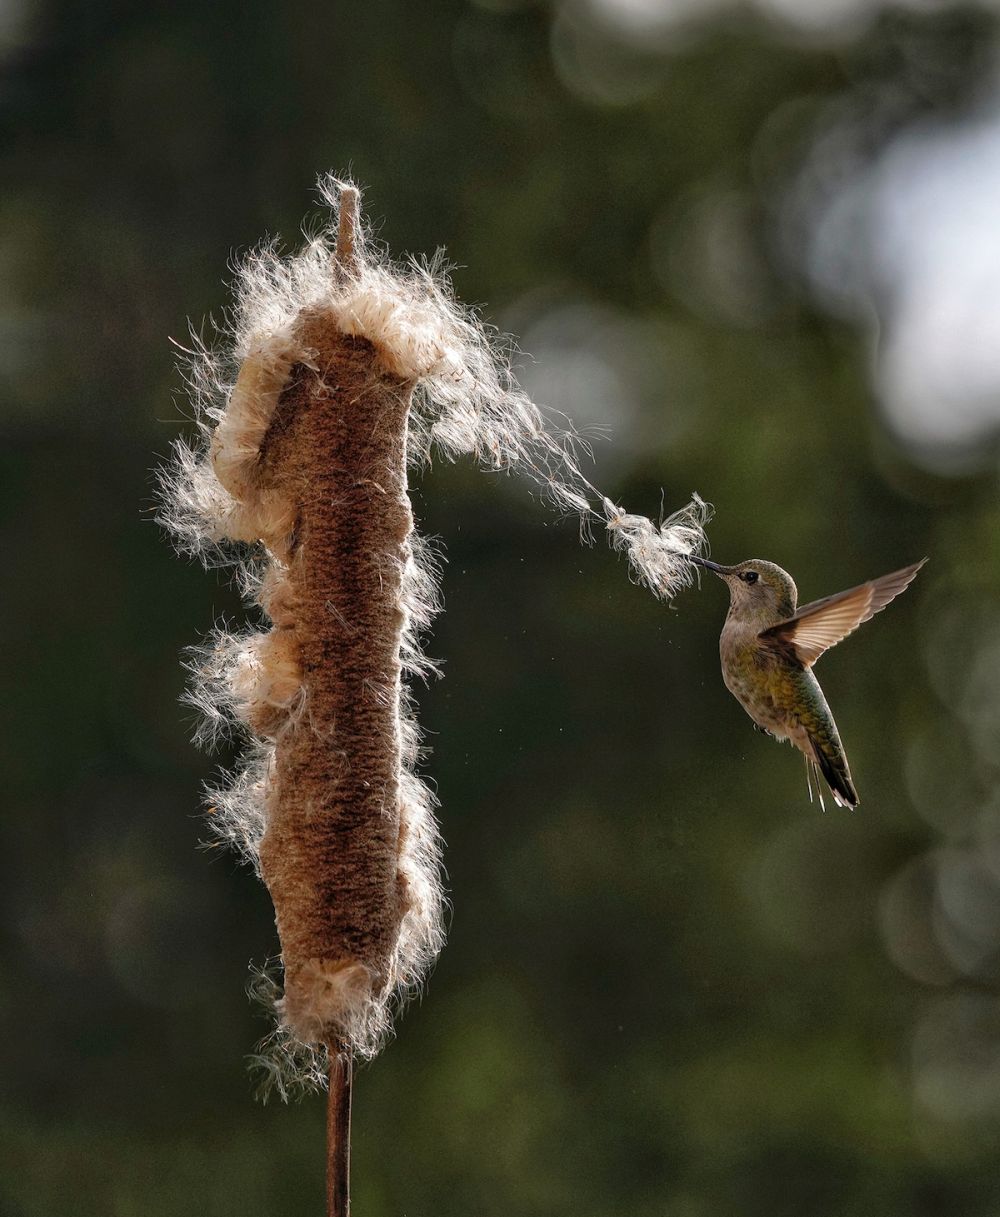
343	370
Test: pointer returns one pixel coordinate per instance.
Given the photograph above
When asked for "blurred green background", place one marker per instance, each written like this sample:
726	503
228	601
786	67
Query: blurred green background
759	243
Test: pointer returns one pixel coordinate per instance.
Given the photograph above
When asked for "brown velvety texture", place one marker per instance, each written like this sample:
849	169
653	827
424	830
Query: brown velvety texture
336	448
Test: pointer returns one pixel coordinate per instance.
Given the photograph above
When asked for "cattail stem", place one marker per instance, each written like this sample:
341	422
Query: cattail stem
338	1132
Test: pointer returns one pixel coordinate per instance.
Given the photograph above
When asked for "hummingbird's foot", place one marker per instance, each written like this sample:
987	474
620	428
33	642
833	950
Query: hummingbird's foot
762	730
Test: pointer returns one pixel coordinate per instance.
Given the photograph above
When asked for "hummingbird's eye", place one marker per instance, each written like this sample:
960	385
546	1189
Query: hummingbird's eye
750	576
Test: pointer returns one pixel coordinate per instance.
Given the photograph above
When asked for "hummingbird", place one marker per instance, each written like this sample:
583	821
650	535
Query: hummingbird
768	648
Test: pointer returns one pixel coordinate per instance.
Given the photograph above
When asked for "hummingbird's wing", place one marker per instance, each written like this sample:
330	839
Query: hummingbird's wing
816	627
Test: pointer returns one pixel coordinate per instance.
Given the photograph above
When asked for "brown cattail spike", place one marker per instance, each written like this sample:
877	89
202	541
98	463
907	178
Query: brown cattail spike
336	448
343	367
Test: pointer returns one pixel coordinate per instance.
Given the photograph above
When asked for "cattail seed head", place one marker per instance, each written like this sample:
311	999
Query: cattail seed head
341	370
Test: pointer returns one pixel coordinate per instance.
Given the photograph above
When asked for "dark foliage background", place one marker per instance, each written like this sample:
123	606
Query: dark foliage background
672	986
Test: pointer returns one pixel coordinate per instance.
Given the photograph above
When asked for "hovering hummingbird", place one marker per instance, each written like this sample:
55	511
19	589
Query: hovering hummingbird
768	648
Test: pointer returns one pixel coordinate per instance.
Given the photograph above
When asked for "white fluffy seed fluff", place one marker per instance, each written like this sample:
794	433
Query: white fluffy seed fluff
658	553
465	401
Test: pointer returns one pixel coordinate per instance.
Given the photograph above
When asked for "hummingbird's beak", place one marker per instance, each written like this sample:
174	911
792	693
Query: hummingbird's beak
722	571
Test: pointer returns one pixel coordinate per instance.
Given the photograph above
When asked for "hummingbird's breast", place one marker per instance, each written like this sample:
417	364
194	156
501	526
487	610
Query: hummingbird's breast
764	683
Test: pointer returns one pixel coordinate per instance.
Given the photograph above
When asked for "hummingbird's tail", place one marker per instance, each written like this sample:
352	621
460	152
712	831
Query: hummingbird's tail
832	764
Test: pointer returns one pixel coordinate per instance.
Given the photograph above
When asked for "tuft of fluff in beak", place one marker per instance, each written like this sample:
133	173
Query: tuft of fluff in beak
658	553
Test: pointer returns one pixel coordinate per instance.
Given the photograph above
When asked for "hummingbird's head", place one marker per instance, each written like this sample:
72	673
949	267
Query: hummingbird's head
757	589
